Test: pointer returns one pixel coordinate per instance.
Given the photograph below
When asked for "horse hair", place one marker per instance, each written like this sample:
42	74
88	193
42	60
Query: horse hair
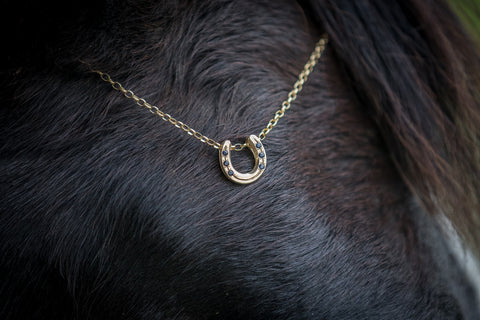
107	212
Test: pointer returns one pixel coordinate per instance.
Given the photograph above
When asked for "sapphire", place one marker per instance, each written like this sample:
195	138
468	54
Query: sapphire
230	172
261	166
225	152
226	163
261	154
258	145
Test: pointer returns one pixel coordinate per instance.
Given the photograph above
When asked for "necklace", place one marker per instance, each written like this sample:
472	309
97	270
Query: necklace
253	142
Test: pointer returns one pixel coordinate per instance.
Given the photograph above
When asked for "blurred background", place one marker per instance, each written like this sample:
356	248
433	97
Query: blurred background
469	13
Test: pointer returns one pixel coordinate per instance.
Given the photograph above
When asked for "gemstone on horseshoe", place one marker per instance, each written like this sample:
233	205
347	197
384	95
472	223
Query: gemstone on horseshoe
255	146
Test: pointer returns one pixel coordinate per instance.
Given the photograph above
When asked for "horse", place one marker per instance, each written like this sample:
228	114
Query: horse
369	205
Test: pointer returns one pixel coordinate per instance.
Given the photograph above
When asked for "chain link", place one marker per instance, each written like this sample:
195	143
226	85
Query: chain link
286	104
155	110
297	87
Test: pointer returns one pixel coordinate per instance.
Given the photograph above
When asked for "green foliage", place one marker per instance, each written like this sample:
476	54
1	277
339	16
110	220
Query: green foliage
469	13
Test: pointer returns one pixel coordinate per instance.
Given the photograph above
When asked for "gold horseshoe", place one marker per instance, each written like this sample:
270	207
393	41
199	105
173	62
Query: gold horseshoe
256	147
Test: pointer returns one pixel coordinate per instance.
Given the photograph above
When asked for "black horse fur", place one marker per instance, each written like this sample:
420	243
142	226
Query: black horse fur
107	212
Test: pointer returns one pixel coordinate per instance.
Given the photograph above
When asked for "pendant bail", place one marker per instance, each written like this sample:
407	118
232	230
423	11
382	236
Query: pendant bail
256	147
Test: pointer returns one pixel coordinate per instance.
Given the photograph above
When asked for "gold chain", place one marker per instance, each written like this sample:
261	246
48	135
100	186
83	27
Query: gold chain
297	87
154	109
292	95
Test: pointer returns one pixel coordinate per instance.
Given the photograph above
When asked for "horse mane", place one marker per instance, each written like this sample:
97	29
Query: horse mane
414	71
417	73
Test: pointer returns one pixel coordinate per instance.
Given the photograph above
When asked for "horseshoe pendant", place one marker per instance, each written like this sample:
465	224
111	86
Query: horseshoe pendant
256	147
